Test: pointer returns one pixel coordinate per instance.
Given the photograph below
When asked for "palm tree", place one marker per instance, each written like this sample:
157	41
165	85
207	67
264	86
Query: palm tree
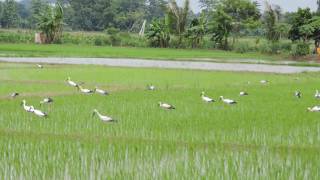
271	17
178	16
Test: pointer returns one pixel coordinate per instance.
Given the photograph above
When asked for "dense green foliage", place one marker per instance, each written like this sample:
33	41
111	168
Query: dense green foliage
252	47
305	26
89	15
301	18
196	31
312	30
9	14
159	35
37	10
301	49
221	23
221	28
51	23
244	14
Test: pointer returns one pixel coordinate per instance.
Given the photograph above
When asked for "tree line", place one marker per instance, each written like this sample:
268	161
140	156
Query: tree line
223	21
88	15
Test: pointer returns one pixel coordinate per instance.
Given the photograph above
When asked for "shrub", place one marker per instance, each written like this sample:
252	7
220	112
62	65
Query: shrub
270	48
125	35
115	40
81	38
98	41
241	47
106	41
114	37
112	31
68	38
286	46
175	42
300	49
265	48
275	47
257	41
134	41
16	36
207	44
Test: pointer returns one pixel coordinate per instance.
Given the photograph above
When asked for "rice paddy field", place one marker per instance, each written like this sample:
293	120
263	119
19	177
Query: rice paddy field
267	135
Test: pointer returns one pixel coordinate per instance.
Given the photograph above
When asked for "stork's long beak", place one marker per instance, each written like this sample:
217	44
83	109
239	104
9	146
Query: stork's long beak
93	114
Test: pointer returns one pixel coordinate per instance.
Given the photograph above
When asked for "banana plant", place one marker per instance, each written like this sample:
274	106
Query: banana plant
196	31
51	23
158	34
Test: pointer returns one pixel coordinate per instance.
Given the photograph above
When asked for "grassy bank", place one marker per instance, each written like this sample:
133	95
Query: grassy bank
267	134
32	50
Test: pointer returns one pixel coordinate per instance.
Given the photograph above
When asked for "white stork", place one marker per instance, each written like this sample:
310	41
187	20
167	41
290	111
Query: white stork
85	91
317	95
46	100
206	98
103	118
227	101
26	107
71	83
298	94
264	82
244	93
39	66
166	106
101	91
151	87
314	109
39	113
14	95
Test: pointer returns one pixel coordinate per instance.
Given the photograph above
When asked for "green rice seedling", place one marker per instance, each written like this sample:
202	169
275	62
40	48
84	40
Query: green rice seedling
267	135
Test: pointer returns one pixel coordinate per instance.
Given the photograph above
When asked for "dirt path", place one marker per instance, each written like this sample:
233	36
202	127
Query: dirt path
122	62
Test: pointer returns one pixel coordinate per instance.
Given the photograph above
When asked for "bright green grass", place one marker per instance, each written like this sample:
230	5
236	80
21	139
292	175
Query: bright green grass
268	135
32	50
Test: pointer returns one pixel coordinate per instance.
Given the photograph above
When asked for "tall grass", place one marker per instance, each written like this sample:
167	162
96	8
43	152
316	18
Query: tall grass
18	36
124	39
77	38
